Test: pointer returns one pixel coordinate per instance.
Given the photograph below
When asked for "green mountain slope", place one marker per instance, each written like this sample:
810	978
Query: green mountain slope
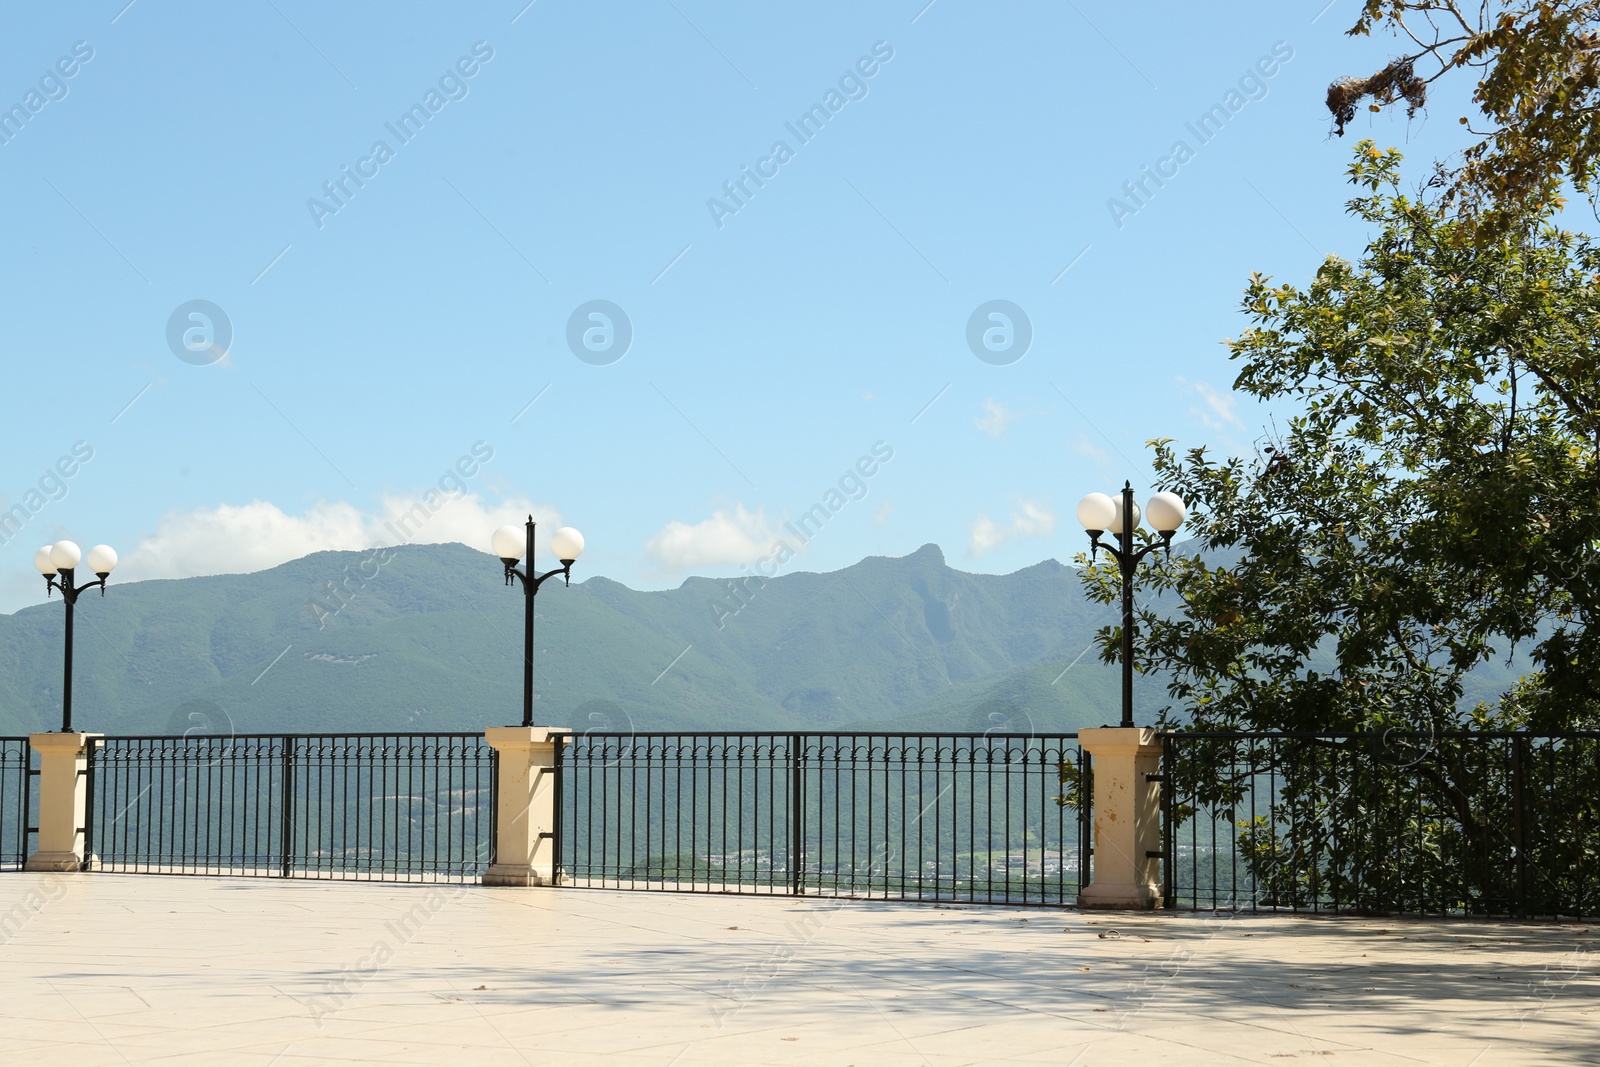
432	641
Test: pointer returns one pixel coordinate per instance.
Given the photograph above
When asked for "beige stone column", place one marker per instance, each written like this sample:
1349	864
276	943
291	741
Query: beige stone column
1127	818
63	790
525	809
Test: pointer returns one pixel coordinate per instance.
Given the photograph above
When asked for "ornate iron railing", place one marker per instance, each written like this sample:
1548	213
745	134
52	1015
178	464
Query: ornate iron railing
968	817
17	808
396	807
1479	823
1476	823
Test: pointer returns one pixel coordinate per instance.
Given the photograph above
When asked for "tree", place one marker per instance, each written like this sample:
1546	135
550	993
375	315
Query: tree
1434	503
1538	91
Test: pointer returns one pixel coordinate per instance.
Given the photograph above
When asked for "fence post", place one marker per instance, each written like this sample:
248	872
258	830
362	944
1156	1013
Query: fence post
1169	852
558	805
89	857
286	810
1085	819
797	814
63	791
1520	814
1127	817
524	804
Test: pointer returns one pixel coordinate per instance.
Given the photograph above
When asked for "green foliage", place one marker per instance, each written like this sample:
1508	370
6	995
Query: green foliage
1433	503
1538	92
1449	824
1077	784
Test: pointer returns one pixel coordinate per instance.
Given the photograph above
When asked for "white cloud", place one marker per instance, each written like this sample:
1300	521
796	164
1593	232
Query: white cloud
1218	410
238	539
736	536
999	418
465	518
1086	447
1030	518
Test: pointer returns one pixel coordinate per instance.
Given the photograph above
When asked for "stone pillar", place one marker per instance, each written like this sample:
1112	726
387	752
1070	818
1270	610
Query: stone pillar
63	790
1127	818
525	809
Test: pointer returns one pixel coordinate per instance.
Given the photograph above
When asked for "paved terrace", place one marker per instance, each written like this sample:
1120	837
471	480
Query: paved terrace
119	969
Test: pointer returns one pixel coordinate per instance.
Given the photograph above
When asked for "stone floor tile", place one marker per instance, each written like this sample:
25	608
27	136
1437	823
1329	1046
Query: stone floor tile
131	969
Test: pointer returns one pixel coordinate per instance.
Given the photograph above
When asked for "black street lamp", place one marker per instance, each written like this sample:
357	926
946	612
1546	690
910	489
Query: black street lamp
511	544
1099	513
57	562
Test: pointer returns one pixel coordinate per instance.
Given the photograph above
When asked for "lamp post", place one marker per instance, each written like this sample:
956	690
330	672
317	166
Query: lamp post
57	563
512	544
1099	514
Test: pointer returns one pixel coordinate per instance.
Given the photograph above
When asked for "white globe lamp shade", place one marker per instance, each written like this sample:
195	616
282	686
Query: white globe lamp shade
102	559
65	555
41	559
1115	526
509	542
1166	511
1096	511
567	544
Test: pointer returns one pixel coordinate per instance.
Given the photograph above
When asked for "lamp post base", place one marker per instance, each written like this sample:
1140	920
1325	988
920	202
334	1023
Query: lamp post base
54	861
1098	896
63	800
525	807
517	875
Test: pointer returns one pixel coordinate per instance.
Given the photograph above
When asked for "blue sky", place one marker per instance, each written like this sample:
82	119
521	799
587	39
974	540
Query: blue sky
578	153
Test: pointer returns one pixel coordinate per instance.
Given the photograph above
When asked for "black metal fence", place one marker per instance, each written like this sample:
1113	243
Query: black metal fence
969	817
1476	823
1480	823
394	807
17	806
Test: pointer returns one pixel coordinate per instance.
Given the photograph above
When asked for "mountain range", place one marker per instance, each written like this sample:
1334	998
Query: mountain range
428	637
